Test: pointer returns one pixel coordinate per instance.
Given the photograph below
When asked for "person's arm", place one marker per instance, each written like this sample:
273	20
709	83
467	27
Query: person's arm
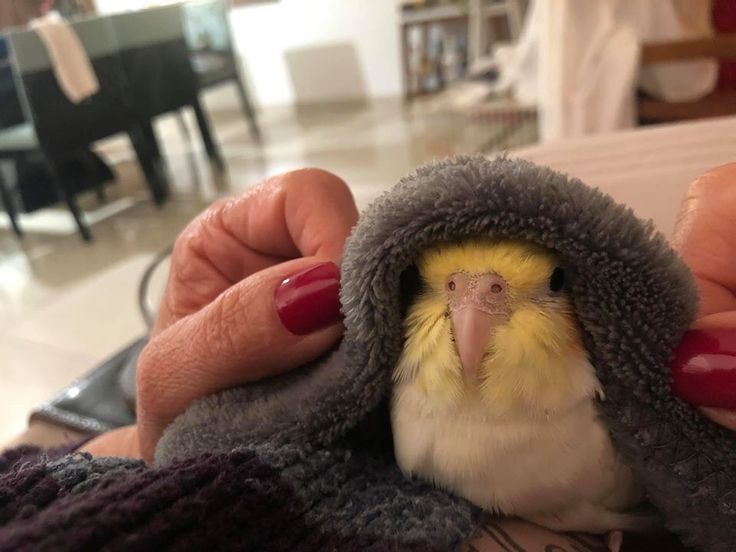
504	534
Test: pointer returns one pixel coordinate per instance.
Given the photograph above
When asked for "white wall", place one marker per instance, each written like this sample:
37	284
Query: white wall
265	33
116	6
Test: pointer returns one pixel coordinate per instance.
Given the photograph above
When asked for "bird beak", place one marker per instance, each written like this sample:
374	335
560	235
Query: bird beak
473	329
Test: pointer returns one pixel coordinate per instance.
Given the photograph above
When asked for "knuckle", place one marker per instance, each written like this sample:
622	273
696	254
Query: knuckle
148	370
318	179
715	179
219	333
237	325
159	382
190	238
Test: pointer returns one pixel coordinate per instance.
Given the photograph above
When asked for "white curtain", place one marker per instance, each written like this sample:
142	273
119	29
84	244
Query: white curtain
579	60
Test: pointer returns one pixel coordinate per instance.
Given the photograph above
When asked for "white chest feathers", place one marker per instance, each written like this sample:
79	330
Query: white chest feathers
565	466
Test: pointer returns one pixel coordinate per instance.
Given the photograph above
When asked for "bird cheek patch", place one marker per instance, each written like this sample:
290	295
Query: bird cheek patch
536	333
440	377
532	362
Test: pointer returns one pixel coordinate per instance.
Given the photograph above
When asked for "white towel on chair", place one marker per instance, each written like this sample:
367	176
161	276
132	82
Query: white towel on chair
71	64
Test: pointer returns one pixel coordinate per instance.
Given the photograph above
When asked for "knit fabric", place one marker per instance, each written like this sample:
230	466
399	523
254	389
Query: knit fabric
303	461
259	498
632	294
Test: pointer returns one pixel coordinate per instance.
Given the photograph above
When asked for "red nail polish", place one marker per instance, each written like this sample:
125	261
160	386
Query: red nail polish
310	300
704	368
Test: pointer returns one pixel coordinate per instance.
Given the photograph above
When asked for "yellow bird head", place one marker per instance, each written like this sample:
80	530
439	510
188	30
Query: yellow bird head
495	323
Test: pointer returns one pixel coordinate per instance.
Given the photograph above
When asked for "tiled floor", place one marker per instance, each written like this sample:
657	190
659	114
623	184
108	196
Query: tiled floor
65	306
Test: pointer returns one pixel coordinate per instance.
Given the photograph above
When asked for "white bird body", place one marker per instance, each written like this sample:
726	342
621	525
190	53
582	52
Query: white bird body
561	471
494	395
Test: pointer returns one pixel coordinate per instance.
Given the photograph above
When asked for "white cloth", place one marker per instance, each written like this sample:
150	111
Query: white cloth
69	59
670	20
579	61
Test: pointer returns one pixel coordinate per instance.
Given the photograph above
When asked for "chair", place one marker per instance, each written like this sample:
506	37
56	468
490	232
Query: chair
160	78
11	112
57	128
716	104
211	51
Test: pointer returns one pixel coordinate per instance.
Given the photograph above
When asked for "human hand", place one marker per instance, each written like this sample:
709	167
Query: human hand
704	369
228	315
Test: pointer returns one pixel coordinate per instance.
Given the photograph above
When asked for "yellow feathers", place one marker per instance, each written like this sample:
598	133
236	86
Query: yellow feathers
525	266
429	355
534	360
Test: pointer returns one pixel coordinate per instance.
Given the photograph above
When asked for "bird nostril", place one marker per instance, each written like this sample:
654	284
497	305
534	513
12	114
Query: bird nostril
496	288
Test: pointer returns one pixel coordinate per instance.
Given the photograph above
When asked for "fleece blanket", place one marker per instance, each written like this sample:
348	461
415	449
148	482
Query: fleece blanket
325	428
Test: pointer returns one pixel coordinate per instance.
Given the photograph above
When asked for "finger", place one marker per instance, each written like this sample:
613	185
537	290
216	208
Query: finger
704	237
240	337
308	212
724	416
727	418
120	442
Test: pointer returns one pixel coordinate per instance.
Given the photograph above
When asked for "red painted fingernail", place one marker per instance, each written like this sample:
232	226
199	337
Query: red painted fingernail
310	300
704	368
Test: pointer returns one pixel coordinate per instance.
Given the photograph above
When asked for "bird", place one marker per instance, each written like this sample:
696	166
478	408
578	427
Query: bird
494	397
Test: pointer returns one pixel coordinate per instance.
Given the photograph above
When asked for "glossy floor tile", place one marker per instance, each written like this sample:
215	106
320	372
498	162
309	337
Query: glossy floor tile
65	305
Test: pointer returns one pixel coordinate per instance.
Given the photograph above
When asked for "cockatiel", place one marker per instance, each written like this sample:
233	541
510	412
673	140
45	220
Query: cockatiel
494	396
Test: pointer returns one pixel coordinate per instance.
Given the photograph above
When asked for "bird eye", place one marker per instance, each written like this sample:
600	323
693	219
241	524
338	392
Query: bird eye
557	279
451	285
496	288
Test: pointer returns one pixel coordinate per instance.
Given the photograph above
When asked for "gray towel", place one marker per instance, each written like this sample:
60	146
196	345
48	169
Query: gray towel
632	294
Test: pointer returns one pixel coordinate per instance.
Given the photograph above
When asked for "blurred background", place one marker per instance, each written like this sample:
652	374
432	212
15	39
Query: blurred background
120	120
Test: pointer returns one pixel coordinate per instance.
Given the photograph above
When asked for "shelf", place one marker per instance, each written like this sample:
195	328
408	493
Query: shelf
433	14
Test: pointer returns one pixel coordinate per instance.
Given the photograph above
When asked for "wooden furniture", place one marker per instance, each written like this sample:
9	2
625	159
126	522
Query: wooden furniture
474	26
56	128
716	104
11	113
142	60
159	76
415	61
74	8
484	14
212	52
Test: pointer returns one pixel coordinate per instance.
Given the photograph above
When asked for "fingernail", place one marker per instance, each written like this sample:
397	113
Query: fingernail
704	368
310	300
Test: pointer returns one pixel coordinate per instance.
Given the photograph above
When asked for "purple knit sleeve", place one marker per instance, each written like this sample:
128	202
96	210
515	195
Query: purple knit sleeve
285	499
11	458
25	484
51	505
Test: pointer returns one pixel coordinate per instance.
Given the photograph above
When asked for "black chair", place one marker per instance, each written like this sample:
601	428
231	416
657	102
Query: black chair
11	112
156	63
212	51
56	128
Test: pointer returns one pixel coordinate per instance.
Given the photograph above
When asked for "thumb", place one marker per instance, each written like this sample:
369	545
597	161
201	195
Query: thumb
272	321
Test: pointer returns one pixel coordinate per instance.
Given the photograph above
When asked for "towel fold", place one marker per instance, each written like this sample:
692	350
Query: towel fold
69	59
632	295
